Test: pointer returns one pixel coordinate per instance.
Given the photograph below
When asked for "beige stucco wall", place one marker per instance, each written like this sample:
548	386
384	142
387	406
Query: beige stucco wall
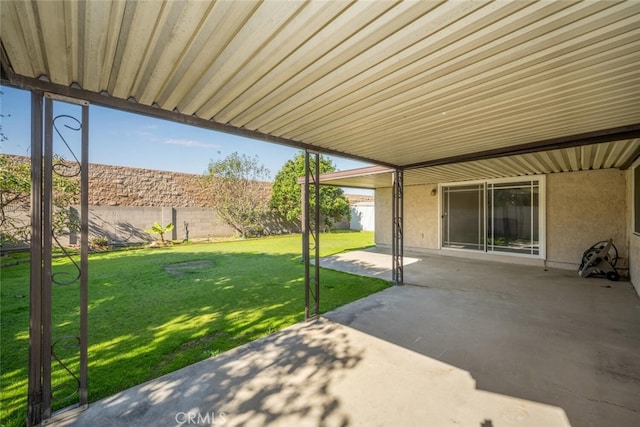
634	239
383	213
420	217
581	209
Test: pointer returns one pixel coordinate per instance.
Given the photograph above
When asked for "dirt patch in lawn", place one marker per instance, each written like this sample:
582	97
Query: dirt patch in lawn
180	268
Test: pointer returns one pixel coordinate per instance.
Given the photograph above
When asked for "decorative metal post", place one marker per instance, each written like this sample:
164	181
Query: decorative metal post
51	350
34	399
398	227
311	234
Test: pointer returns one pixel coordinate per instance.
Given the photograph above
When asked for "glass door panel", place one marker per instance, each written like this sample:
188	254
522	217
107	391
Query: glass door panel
512	224
463	217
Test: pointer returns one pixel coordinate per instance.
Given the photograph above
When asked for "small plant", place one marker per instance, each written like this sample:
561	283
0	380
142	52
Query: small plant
159	229
100	242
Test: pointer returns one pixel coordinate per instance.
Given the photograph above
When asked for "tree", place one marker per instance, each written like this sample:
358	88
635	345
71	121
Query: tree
239	192
15	198
286	195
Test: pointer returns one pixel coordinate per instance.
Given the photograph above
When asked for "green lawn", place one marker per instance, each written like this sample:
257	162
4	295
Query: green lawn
152	311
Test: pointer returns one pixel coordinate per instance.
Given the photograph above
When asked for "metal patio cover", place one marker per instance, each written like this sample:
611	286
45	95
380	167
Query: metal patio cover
417	83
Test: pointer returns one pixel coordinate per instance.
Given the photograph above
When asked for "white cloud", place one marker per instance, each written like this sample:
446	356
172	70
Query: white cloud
150	134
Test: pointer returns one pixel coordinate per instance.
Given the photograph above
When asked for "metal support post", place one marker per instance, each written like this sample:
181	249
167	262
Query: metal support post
398	227
311	234
52	350
34	400
83	392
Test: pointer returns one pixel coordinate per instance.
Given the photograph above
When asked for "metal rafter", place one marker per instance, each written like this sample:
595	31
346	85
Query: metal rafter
598	137
105	100
635	156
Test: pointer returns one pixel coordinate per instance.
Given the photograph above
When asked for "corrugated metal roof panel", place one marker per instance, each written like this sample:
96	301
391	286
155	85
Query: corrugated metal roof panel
606	155
396	82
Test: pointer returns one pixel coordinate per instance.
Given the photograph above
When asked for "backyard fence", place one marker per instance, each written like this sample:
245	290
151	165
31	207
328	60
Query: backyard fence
126	225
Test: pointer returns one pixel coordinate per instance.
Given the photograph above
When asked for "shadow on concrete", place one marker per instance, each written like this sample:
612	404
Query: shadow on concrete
283	378
316	374
539	335
368	262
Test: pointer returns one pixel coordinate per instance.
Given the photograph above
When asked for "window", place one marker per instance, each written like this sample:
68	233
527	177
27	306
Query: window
636	199
494	216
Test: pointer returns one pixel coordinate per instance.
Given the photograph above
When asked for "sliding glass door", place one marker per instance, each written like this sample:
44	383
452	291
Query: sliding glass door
492	217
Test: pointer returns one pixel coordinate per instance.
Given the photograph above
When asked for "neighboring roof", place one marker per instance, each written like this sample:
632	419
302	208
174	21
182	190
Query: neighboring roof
357	199
416	83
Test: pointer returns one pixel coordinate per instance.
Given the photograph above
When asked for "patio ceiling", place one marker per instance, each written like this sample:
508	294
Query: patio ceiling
416	83
617	154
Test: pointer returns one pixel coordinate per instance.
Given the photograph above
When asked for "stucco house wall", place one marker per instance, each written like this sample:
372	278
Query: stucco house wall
383	216
582	208
421	223
634	239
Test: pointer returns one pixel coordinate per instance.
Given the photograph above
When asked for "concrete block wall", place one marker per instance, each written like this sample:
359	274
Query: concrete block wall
123	225
203	222
126	224
126	201
124	186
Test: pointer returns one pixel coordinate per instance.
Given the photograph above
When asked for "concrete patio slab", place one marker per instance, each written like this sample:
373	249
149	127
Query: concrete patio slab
312	374
541	334
495	345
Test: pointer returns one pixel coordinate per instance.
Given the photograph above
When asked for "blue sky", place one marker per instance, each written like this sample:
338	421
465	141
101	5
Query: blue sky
126	139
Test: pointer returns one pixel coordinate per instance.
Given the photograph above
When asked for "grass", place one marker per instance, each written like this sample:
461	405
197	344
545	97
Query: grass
152	311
